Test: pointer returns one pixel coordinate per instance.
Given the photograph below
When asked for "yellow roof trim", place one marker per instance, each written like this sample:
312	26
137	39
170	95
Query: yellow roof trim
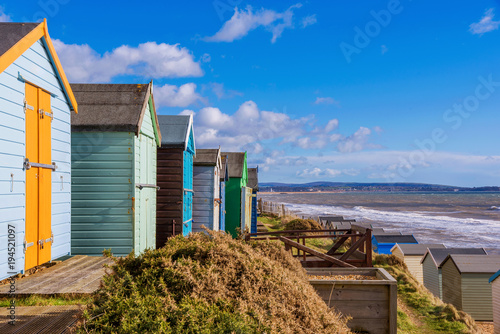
25	43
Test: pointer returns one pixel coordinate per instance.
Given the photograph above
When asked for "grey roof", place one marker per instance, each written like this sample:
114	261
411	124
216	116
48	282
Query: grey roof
253	179
223	168
236	163
481	264
109	107
12	33
174	129
439	254
207	157
416	249
405	238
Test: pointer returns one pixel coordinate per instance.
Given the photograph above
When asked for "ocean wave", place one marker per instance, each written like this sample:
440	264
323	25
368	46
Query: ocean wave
452	231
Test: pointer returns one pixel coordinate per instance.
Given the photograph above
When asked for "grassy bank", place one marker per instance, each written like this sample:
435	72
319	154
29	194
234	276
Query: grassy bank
418	310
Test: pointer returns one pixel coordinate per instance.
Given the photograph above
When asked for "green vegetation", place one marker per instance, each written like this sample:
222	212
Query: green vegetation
36	300
209	283
423	310
302	224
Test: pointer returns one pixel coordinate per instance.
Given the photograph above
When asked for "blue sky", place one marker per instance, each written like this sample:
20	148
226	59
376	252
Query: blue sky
371	91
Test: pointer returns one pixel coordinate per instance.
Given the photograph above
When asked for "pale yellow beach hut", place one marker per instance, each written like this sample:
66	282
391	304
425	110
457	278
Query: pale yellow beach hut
495	293
411	254
466	283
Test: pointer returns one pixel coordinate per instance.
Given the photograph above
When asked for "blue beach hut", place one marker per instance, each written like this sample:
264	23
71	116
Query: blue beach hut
253	183
383	243
36	103
174	213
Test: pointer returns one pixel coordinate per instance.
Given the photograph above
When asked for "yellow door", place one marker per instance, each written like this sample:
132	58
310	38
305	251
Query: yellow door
38	179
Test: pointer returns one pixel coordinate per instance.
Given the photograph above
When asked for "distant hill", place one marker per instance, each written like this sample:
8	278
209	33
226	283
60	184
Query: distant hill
355	186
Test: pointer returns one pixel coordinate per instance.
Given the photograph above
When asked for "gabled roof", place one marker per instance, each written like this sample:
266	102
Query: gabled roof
224	174
207	157
438	255
404	239
494	277
16	38
175	130
236	163
415	249
480	264
113	107
253	178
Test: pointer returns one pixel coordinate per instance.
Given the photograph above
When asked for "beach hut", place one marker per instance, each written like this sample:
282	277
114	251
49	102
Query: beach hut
36	103
206	187
411	254
431	266
383	243
466	283
175	177
114	141
224	177
253	183
495	294
235	187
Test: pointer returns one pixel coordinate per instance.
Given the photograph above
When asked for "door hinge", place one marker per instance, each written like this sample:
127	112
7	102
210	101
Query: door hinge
44	113
26	245
27	106
27	165
51	239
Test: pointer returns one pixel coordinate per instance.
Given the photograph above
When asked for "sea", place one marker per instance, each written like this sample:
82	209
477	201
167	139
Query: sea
455	219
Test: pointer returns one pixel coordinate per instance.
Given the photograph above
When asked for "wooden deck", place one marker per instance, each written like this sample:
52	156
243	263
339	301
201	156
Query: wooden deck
40	319
79	275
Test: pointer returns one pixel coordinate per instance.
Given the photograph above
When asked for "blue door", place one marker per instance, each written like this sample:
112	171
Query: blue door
222	206
253	226
187	215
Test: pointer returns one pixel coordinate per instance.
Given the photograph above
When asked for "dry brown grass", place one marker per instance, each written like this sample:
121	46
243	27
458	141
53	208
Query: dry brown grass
302	224
210	284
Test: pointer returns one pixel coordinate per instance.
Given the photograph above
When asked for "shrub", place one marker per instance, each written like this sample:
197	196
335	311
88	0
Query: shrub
302	224
209	283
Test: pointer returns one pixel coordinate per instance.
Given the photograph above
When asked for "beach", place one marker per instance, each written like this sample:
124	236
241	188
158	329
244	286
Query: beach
456	219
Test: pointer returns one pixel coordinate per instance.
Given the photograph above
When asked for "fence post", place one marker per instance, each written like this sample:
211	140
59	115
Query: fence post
283	210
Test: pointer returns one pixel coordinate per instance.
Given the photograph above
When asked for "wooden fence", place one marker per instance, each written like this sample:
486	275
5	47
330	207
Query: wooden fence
279	209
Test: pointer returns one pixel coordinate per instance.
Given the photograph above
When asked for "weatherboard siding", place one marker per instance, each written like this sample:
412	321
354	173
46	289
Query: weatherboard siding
102	192
495	292
34	65
145	198
414	266
203	200
451	285
477	296
431	276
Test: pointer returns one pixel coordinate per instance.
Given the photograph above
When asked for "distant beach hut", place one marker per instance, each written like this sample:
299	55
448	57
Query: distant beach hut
411	254
175	177
495	289
114	141
466	283
253	183
431	266
383	243
235	187
381	231
224	177
36	103
206	187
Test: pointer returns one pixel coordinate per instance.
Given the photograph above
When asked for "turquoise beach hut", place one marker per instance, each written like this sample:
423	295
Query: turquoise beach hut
253	183
175	177
114	141
36	103
383	243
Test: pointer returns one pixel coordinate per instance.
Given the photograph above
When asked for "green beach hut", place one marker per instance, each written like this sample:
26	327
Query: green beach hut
114	141
236	183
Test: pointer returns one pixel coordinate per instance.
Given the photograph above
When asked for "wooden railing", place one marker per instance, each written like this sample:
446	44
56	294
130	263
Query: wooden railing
355	241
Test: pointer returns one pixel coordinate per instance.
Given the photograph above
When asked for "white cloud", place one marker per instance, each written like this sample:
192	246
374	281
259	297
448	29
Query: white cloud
383	49
318	172
356	142
173	96
309	20
187	112
332	124
486	24
245	20
326	100
152	60
4	17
